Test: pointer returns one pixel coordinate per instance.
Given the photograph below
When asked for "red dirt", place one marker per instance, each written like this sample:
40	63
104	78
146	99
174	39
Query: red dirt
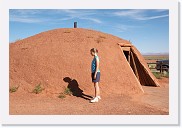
156	96
154	101
49	57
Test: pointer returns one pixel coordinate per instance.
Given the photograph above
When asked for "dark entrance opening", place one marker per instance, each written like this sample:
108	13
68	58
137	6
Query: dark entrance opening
126	53
131	60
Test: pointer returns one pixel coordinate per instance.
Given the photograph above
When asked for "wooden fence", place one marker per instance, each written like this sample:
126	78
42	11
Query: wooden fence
162	67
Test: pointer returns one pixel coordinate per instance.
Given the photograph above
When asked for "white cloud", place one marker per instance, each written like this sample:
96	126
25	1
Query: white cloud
130	13
67	11
80	14
66	18
76	12
139	14
123	27
152	17
92	19
26	16
35	16
25	20
160	10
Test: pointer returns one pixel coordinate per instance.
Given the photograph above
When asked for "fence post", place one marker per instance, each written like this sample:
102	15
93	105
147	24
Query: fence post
161	70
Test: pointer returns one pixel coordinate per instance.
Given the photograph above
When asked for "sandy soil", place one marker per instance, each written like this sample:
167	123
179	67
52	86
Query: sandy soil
154	101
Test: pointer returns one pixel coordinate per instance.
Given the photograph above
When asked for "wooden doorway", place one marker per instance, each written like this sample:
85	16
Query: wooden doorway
130	58
138	65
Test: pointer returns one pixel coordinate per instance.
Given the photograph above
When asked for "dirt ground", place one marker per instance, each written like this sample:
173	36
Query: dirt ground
155	101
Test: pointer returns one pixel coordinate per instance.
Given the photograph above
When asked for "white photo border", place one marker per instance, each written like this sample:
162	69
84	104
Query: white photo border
171	119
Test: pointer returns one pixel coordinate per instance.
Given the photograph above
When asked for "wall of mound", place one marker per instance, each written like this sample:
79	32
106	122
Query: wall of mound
49	57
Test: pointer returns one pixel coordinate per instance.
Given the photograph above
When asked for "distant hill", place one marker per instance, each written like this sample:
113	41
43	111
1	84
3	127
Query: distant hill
156	54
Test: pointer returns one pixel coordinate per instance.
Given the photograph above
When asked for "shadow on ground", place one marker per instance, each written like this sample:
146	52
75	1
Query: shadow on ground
74	88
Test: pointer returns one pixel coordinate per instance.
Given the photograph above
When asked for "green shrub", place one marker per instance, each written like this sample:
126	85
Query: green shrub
157	75
61	95
38	89
166	74
13	89
67	91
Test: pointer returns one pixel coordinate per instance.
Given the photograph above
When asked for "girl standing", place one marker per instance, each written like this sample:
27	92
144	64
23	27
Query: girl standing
95	74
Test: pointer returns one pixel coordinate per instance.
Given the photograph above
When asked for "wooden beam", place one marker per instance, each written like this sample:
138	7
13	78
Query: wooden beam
129	57
126	48
144	70
125	45
135	69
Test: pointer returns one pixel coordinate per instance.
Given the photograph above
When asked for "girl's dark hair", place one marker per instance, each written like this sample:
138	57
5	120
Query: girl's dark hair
94	50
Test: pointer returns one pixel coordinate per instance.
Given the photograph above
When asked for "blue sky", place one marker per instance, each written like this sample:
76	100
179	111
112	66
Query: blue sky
148	29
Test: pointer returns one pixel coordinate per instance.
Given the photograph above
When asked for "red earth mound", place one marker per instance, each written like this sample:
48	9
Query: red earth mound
49	57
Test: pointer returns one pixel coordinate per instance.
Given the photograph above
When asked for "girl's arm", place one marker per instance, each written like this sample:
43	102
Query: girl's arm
97	67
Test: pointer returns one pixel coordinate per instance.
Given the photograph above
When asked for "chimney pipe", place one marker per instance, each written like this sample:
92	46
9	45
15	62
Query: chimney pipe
75	24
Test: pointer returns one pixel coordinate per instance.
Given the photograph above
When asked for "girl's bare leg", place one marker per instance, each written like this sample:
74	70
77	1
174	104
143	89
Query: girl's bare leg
97	93
97	89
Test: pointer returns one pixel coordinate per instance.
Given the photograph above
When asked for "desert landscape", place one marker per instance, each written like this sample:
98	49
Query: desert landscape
45	68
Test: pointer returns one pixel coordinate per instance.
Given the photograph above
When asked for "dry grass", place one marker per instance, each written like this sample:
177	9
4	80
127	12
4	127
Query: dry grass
13	89
62	96
67	31
38	89
103	37
100	39
67	91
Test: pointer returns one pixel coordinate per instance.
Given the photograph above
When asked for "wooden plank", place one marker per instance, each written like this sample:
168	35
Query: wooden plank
161	68
129	57
125	45
135	69
126	48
